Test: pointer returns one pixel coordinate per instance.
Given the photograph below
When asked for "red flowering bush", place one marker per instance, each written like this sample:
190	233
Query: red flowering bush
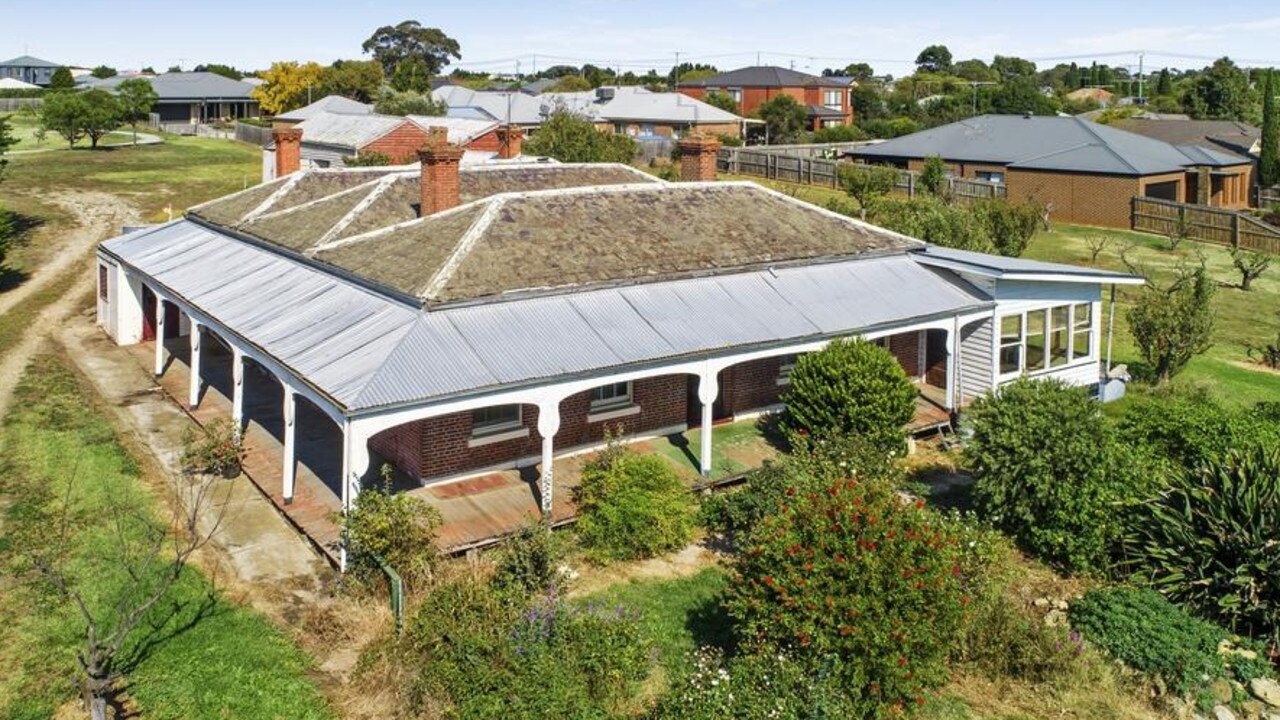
856	575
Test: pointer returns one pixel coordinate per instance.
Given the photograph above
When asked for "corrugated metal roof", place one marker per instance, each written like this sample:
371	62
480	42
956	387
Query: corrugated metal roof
346	130
187	86
329	103
366	351
460	130
1020	266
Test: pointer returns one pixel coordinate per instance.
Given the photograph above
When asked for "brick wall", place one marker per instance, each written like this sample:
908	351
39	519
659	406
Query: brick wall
1078	197
401	144
754	97
440	446
487	142
751	385
906	348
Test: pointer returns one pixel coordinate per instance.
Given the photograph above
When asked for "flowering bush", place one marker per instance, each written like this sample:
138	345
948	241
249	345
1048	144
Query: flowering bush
856	574
853	388
214	449
633	506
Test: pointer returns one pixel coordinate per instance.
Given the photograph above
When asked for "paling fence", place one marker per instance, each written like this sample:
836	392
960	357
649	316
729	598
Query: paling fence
1206	224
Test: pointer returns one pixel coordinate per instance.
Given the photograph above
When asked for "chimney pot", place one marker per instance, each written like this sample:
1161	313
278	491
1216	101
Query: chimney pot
441	184
698	158
288	150
437	135
510	141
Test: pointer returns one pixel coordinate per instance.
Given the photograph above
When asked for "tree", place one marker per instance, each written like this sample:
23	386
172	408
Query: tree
1250	265
101	115
63	113
867	102
225	71
150	553
722	101
393	44
62	80
1173	323
570	83
285	87
860	72
391	102
136	98
1164	83
1220	92
7	140
1007	67
1269	162
571	138
784	119
935	58
1020	95
701	74
102	72
412	75
865	183
851	387
933	178
356	79
975	71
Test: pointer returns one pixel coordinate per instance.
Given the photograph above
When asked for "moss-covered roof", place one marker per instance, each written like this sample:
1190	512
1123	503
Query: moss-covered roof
301	227
483	182
231	209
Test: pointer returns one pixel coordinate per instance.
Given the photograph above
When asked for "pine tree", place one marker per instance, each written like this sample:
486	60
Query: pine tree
1095	78
1164	85
1073	77
1269	164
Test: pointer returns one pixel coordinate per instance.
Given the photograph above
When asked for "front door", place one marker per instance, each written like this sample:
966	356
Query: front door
149	317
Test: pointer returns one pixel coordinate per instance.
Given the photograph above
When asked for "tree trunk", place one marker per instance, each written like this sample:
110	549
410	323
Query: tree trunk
98	708
1246	280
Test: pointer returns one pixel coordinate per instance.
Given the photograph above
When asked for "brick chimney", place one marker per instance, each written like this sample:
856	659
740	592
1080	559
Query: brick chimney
288	150
698	158
510	141
440	182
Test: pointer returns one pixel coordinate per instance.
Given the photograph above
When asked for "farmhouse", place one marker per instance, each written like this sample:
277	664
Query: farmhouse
455	320
826	100
331	139
1082	171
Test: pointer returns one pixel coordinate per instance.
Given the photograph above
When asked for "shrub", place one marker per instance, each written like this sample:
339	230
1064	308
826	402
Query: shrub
811	463
854	578
866	183
369	158
1190	427
396	527
1209	541
1172	324
480	655
890	127
214	449
932	220
408	102
633	506
1049	471
851	387
1009	226
530	561
568	137
933	178
839	134
1151	635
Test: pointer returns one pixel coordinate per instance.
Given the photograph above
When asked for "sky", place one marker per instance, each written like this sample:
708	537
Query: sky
508	35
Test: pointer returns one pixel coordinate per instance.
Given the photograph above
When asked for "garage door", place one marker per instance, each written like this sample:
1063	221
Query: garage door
1164	191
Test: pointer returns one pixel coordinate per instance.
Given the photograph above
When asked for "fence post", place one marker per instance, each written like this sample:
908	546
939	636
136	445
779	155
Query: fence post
911	185
1235	230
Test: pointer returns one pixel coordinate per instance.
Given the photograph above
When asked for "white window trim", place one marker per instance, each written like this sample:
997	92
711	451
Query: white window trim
484	432
490	438
615	403
607	414
784	369
1072	361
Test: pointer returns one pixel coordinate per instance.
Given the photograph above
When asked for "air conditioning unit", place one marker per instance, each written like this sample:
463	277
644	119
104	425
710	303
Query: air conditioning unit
604	94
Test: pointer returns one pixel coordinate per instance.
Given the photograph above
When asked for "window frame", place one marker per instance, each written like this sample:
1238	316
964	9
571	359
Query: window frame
1075	330
1071	355
614	402
1018	344
104	286
991	176
839	99
786	364
496	427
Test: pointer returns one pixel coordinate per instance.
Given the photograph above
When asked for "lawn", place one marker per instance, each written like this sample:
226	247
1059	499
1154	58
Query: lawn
196	655
171	176
24	129
735	448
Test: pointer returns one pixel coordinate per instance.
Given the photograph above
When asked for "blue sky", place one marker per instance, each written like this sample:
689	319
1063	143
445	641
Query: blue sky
494	34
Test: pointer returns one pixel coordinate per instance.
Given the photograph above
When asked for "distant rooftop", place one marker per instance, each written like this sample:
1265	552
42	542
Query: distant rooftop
1068	144
28	61
330	104
188	86
764	76
1228	135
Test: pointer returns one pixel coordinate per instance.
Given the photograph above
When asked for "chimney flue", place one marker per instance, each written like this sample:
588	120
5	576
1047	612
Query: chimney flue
510	141
698	158
441	185
288	150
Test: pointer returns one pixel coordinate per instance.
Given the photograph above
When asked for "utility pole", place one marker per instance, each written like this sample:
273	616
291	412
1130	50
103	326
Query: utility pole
675	72
1141	97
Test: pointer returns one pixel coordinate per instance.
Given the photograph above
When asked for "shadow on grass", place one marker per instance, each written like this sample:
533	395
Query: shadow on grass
19	228
709	624
168	623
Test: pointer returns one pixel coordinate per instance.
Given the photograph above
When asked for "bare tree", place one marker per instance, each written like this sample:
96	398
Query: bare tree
151	554
1097	243
1251	266
1180	230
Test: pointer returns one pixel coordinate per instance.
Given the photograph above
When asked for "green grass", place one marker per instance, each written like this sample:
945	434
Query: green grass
735	448
196	655
179	173
24	130
677	615
1241	317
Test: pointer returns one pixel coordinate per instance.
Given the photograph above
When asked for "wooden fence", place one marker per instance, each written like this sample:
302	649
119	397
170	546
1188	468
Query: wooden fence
8	105
817	171
1269	196
255	134
1206	224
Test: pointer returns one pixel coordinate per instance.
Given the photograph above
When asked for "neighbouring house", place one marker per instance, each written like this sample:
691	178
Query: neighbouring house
629	110
8	83
330	140
1234	138
452	321
1102	96
327	104
826	100
195	97
27	69
1082	171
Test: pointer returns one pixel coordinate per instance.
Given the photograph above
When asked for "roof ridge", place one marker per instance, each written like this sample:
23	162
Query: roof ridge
379	232
301	206
383	184
237	193
855	222
1106	145
273	197
463	247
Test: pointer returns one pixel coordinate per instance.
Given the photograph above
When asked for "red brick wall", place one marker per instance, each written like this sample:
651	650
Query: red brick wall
487	142
751	385
439	446
401	144
906	348
754	97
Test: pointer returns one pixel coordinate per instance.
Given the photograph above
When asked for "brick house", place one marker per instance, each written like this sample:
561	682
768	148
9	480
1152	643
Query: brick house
826	100
1084	172
330	139
455	319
